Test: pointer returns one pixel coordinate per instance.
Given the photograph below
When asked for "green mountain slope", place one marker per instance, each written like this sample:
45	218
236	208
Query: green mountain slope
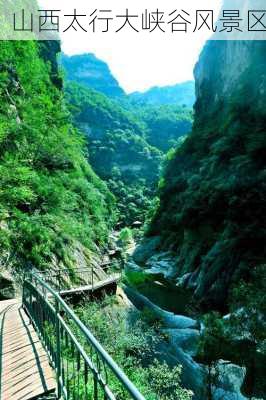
165	124
126	139
91	72
118	149
162	117
181	94
50	201
94	113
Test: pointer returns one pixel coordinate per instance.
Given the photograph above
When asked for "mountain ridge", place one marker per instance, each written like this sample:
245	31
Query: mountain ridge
92	72
179	94
89	70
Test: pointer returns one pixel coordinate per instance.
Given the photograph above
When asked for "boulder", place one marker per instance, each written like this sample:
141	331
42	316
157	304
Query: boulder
132	267
7	286
229	379
187	339
193	374
162	263
146	249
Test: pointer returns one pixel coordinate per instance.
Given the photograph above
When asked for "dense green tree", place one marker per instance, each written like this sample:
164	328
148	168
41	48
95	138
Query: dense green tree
50	198
165	124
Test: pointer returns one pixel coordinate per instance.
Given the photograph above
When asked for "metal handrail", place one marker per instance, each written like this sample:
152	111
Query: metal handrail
57	324
60	279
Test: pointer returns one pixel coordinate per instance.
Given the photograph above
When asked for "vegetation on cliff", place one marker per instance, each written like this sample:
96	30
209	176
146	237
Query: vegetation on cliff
136	349
50	198
126	143
212	201
211	214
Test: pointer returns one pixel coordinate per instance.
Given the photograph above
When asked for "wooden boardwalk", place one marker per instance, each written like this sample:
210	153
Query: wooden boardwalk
103	285
24	365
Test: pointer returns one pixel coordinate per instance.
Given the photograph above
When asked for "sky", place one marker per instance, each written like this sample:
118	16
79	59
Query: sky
141	60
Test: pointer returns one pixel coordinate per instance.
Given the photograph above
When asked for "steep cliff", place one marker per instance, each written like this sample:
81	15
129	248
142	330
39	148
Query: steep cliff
213	194
52	205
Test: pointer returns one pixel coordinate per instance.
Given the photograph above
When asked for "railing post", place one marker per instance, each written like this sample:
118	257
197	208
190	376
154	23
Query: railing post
23	289
59	280
58	349
31	302
95	387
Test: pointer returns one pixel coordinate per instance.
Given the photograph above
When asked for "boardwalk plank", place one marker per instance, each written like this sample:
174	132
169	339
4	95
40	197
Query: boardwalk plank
24	364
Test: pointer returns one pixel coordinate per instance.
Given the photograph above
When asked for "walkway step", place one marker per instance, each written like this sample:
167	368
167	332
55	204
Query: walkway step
24	366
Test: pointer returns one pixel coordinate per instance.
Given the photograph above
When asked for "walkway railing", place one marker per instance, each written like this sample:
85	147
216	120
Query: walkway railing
83	368
66	279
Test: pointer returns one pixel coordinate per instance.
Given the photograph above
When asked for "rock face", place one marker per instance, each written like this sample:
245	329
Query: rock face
49	50
7	286
88	70
213	198
146	250
229	381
